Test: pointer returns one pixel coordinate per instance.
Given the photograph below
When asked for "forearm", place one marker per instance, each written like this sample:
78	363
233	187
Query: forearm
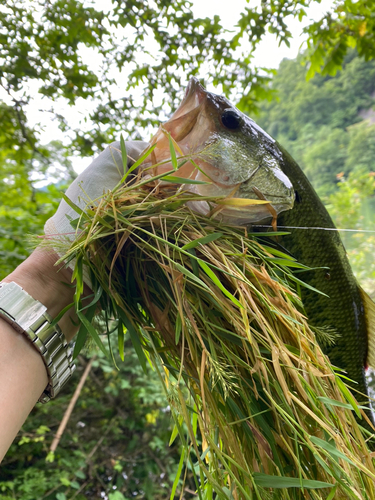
23	374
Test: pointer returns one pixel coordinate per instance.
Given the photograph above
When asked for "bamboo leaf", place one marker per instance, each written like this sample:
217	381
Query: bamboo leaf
124	155
202	241
178	474
348	396
267	481
217	282
332	450
182	180
134	338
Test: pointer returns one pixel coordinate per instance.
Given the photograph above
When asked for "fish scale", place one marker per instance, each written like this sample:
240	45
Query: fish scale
343	309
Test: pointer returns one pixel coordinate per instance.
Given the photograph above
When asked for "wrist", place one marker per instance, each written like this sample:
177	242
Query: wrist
41	279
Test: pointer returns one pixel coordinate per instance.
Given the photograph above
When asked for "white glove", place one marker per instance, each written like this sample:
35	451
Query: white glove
104	173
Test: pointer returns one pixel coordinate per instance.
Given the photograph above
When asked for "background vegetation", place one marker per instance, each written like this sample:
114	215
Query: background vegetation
115	445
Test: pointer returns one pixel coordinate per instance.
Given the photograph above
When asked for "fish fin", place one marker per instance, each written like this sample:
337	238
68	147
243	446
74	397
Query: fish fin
369	306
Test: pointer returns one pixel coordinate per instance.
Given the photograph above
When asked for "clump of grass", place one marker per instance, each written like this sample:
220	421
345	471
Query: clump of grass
259	410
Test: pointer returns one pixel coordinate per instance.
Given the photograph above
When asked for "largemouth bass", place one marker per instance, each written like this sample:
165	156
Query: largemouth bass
239	159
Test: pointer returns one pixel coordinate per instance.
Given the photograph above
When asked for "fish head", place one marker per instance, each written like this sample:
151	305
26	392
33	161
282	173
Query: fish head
234	156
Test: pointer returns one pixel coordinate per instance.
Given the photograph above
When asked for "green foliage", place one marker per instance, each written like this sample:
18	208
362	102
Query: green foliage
116	442
71	50
353	206
320	121
24	204
350	25
47	47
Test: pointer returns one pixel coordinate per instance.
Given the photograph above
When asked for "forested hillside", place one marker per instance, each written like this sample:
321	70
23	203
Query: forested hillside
325	123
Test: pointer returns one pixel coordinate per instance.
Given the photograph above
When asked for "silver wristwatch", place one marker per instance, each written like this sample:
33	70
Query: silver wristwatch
28	316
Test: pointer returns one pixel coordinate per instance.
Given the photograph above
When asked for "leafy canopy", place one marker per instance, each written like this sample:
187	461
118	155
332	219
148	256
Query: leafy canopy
67	51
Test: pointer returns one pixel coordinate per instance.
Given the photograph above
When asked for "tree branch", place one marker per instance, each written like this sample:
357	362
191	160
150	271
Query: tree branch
71	405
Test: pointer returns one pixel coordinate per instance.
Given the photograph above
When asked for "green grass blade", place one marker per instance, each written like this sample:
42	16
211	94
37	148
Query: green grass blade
172	151
217	282
332	493
333	402
267	481
191	276
278	253
332	450
306	285
120	337
178	328
74	206
287	263
61	314
93	333
124	154
182	180
202	241
194	262
348	396
135	339
80	340
135	165
78	277
178	474
82	332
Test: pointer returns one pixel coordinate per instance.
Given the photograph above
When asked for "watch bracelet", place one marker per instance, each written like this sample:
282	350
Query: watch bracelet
28	316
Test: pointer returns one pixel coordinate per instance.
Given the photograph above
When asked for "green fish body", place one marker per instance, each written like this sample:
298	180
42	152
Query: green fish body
344	309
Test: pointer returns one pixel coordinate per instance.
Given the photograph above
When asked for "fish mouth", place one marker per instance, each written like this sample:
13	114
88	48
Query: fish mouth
186	115
230	211
194	90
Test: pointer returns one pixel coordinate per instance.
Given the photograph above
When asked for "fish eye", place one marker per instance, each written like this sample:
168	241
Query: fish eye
230	119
